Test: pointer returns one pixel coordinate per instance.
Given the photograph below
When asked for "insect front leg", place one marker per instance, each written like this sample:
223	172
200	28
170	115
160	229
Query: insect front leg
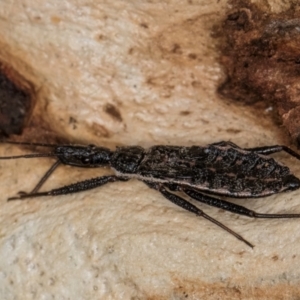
73	188
43	179
192	208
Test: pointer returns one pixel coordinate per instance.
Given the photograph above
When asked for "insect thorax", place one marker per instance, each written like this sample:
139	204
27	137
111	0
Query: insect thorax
127	159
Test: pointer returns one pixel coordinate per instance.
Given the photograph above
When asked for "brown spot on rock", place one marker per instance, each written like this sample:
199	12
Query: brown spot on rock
275	257
100	130
185	113
144	25
55	19
113	112
192	56
176	49
233	130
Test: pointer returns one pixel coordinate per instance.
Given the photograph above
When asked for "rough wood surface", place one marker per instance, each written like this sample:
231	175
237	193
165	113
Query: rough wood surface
261	58
133	73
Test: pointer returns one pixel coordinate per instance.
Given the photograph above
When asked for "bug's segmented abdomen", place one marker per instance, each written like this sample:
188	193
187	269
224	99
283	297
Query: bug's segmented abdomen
220	169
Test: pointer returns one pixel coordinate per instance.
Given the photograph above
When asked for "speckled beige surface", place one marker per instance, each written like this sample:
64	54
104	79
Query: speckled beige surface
156	62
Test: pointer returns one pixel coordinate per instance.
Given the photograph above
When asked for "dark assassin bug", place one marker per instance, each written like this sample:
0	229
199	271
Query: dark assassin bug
201	173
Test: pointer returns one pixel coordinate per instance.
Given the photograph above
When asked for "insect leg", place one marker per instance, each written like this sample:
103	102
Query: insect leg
234	208
45	177
29	144
73	188
273	149
226	143
192	208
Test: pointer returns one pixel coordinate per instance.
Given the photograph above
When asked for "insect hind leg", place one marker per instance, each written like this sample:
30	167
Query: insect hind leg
226	143
234	208
267	150
192	208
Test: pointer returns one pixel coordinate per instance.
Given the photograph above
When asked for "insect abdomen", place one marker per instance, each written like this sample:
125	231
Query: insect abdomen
224	170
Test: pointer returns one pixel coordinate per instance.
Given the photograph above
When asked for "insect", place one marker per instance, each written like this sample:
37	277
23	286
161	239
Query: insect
200	172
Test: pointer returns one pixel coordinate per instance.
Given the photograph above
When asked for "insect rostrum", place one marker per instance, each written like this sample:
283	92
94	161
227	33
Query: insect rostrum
200	172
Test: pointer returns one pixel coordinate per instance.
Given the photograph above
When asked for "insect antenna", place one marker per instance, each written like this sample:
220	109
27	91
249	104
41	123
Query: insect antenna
29	144
32	155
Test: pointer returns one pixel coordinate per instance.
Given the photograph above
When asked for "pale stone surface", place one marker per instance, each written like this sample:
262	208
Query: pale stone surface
156	62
